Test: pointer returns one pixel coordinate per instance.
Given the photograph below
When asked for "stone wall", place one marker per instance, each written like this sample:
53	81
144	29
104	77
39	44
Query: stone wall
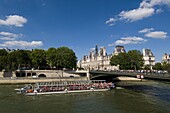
25	81
46	73
1	74
6	74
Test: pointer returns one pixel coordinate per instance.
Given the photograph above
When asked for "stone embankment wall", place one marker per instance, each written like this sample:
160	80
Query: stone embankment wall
50	76
27	81
47	73
1	74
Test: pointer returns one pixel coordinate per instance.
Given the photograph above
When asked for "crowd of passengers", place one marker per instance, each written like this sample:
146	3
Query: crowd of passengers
75	87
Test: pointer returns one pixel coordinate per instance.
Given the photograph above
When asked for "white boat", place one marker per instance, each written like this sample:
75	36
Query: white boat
65	91
17	89
24	89
46	88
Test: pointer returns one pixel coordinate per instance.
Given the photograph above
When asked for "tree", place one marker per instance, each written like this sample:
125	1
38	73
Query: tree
147	67
3	59
135	59
3	52
60	58
121	59
38	58
166	66
23	58
18	59
51	56
131	60
158	66
65	58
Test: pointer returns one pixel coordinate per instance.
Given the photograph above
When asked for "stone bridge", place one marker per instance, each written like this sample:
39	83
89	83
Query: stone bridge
90	75
115	74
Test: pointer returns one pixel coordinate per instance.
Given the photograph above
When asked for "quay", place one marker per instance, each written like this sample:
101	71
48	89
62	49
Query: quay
35	80
33	76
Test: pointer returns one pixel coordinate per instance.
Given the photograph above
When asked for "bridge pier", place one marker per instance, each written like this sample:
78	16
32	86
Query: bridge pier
88	75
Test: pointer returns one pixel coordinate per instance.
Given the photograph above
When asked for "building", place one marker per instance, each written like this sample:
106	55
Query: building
119	49
149	58
99	60
166	58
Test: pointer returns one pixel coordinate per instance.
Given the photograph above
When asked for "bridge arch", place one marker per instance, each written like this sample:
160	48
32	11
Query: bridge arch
42	75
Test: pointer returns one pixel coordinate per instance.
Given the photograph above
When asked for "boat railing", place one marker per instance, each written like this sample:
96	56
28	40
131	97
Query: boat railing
75	84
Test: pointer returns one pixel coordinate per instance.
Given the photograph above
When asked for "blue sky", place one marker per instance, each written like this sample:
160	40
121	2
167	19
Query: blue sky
81	24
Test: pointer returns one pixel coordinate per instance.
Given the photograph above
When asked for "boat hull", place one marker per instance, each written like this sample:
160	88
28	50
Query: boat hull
65	91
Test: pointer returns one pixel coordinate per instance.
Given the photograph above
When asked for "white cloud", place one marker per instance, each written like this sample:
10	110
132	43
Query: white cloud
129	40
14	20
10	41
110	44
92	49
111	21
9	36
22	44
153	34
146	9
146	30
136	14
145	4
159	2
157	34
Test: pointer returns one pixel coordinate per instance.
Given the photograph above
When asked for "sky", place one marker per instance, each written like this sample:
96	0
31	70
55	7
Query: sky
83	24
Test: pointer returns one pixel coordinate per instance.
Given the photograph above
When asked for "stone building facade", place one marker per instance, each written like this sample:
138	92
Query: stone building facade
99	60
119	49
166	58
149	58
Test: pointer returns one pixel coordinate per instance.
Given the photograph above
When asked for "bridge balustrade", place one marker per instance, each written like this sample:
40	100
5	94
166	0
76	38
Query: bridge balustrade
130	73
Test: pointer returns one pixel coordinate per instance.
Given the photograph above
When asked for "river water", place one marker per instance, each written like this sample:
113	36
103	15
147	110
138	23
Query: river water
131	97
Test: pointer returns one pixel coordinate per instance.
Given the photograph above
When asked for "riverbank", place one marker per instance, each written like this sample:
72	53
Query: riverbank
35	80
126	79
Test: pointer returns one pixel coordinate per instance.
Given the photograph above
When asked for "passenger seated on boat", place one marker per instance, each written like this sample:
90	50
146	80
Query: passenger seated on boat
66	90
40	90
30	91
35	91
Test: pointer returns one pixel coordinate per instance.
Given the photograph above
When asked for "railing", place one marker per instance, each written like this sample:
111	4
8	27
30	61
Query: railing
41	78
130	73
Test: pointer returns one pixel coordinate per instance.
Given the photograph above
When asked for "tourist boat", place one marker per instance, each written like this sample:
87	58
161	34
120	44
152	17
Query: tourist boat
45	88
24	89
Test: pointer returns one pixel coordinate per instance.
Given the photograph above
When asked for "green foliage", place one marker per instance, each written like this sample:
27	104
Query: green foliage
59	58
3	52
135	59
65	58
3	58
166	66
38	58
51	57
162	66
121	60
131	60
17	59
147	67
158	66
